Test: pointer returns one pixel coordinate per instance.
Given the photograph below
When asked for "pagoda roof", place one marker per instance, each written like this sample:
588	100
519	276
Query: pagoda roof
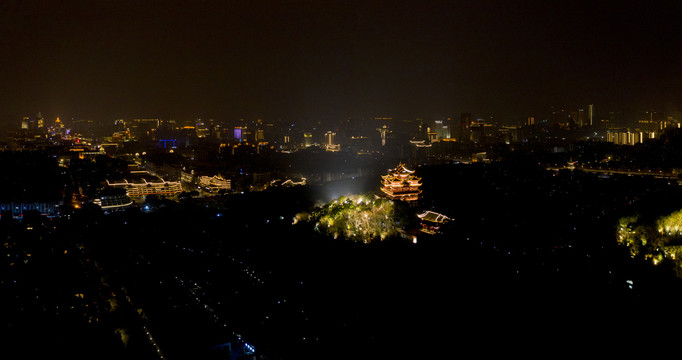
401	169
392	177
433	217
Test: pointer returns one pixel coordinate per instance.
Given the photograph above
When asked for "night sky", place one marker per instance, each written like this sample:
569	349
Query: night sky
328	60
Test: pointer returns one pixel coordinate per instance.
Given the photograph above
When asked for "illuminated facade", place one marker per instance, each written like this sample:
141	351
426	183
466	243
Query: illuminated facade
627	137
17	209
113	202
307	139
142	184
215	183
383	131
330	141
401	184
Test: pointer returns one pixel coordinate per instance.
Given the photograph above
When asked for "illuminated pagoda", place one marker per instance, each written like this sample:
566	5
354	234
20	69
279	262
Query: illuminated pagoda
401	184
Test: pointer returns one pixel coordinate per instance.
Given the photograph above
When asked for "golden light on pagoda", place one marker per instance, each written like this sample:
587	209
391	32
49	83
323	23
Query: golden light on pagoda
401	184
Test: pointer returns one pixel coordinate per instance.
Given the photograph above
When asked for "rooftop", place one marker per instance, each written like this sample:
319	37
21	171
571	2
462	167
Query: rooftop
433	217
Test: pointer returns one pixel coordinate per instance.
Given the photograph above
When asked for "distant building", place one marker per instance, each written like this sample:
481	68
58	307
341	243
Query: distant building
261	177
627	137
650	121
401	184
143	128
215	183
114	199
464	131
260	135
17	209
509	134
307	139
202	129
432	136
479	129
383	131
330	141
142	183
439	128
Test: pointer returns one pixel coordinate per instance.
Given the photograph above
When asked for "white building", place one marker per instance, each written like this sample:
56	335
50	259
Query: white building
141	183
215	183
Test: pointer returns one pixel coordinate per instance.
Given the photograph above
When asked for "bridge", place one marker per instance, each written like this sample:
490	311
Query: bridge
608	171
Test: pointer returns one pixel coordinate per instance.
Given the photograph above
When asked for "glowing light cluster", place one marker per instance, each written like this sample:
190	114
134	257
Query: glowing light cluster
658	242
357	217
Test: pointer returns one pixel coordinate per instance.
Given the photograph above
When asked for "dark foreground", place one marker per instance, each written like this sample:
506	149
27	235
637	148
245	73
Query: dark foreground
528	266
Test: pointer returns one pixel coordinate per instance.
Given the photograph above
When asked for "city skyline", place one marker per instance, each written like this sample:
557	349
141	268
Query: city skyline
331	60
321	179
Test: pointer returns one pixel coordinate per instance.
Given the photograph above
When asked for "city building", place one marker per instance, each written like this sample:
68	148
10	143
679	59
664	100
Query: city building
509	134
627	137
307	139
113	199
17	209
650	121
383	131
142	128
401	184
203	129
330	141
142	183
441	129
432	136
479	130
464	131
215	183
238	133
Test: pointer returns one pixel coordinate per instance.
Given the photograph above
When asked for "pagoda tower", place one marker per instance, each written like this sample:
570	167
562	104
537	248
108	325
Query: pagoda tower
401	184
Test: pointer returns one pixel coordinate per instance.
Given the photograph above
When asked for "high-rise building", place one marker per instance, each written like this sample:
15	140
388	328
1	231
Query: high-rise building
464	133
260	135
431	136
509	134
141	128
450	127
440	127
203	130
383	131
590	115
307	139
40	121
576	118
330	140
479	129
611	122
626	137
649	121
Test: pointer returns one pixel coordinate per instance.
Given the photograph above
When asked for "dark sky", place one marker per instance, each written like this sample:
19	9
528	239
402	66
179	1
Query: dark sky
323	60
